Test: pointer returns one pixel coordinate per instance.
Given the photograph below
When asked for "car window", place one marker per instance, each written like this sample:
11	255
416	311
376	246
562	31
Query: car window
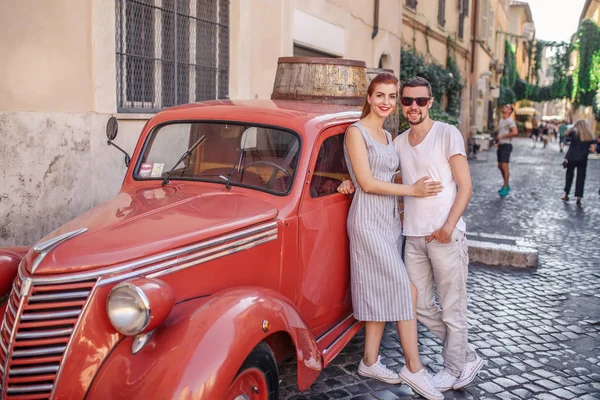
330	169
258	157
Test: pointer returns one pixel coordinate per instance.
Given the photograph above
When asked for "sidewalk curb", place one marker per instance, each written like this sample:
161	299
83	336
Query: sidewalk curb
499	250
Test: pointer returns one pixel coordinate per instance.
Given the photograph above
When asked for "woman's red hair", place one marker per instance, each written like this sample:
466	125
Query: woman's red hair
385	78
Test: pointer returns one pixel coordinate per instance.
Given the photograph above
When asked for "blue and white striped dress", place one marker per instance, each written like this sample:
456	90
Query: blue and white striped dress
379	282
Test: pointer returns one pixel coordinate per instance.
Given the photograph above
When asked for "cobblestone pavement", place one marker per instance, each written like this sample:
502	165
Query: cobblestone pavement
539	330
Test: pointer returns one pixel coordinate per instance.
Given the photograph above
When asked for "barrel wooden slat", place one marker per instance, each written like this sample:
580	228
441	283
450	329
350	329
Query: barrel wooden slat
322	80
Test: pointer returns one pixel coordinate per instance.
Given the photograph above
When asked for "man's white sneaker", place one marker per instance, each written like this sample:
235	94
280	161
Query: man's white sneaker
443	380
422	383
468	373
379	371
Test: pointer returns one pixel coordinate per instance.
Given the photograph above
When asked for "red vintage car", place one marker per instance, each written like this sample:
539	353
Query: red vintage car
224	253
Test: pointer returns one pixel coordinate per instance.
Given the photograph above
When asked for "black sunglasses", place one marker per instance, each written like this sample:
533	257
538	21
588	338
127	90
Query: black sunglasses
421	101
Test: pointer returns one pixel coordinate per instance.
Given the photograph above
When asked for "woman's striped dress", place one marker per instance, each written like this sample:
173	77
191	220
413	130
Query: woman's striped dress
379	282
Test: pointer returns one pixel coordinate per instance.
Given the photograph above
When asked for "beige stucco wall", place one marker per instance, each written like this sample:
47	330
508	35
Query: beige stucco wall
46	60
57	90
263	30
485	76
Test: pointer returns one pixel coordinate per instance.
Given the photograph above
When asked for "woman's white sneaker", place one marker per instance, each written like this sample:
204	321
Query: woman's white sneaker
378	371
468	373
422	383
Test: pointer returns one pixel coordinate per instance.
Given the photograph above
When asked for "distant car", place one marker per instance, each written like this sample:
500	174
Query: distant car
198	277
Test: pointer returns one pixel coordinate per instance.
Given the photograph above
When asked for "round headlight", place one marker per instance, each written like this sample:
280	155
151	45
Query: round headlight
128	309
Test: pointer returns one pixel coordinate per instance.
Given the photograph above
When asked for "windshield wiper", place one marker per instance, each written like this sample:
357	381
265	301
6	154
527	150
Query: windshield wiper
186	154
238	162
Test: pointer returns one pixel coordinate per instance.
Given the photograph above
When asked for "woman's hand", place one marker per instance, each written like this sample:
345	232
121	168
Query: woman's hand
346	187
425	189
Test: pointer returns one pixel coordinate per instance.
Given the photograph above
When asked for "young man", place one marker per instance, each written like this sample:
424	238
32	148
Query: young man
507	128
436	246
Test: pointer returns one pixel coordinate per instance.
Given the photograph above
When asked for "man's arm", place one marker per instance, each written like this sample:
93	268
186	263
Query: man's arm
462	177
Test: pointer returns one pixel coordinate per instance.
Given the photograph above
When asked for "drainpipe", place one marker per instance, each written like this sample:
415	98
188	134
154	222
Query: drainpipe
473	33
376	20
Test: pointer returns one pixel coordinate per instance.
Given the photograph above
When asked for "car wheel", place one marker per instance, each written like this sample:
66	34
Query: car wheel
258	377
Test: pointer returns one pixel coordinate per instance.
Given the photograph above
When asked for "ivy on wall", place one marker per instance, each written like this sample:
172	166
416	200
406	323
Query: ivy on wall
586	79
582	85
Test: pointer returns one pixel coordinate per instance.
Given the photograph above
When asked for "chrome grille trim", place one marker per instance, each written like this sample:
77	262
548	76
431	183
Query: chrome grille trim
50	315
60	296
29	389
35	352
11	309
40	280
33	370
44	334
7	347
70	342
39	352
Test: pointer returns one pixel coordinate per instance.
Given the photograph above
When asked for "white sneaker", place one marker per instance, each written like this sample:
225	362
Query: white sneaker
469	372
379	371
422	383
443	380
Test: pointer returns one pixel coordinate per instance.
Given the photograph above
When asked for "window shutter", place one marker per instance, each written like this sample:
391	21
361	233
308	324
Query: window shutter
442	12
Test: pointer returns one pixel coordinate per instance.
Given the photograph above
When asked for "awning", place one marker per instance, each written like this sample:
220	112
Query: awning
526	111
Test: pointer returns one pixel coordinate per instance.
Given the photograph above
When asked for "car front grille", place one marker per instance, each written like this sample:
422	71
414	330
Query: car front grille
37	327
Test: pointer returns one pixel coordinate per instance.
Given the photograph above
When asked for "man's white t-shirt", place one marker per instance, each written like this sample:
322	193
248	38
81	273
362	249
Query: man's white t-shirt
424	215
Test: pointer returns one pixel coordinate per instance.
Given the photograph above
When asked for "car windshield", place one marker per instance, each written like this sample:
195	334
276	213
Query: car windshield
262	158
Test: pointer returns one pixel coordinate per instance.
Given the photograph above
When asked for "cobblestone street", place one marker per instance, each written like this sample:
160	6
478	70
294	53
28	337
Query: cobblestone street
538	330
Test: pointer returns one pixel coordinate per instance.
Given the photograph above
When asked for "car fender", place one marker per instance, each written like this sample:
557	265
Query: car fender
10	257
199	349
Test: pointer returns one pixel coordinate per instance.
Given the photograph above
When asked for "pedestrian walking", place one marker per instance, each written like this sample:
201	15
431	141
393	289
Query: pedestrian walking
535	132
562	131
507	128
381	288
436	250
582	142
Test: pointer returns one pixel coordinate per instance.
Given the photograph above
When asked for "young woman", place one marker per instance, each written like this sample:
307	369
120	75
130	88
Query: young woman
381	289
582	142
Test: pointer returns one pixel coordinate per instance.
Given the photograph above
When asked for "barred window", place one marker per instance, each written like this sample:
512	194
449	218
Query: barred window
412	4
441	12
171	52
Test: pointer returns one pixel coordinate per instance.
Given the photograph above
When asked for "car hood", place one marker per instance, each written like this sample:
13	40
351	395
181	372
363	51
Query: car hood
145	222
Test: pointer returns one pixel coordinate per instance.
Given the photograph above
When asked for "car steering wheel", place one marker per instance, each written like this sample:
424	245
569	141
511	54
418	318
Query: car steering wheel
269	164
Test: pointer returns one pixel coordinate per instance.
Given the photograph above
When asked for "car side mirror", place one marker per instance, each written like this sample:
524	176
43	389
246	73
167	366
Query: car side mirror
112	127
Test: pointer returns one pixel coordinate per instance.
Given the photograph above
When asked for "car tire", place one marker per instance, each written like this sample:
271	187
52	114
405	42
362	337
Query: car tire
257	378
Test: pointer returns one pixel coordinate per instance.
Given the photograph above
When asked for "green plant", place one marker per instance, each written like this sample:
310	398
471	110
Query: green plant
445	82
586	78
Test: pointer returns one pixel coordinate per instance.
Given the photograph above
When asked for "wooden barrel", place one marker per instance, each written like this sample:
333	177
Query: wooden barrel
392	122
322	80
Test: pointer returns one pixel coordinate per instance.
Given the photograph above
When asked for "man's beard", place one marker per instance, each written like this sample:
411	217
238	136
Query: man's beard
417	122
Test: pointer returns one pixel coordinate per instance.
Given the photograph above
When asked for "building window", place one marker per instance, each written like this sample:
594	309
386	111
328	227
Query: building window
330	169
171	52
463	12
412	4
303	51
441	12
484	21
492	33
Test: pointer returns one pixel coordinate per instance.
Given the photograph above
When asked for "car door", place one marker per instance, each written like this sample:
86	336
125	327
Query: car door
324	261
